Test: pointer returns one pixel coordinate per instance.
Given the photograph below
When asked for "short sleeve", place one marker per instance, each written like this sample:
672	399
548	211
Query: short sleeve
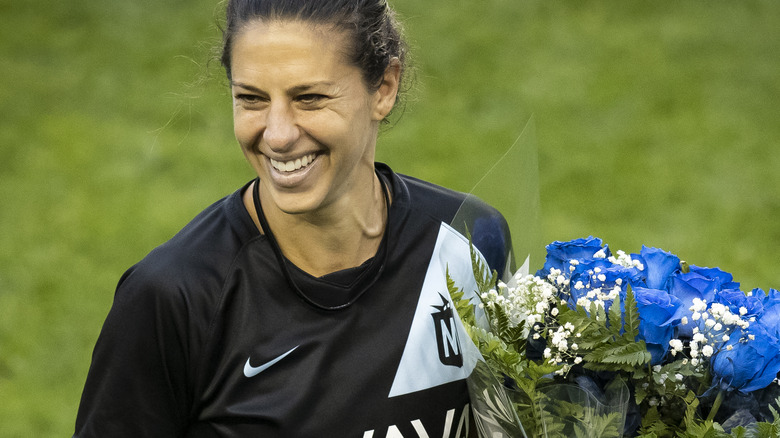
489	233
137	384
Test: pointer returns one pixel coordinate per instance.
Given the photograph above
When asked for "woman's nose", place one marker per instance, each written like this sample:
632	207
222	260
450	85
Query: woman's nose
281	130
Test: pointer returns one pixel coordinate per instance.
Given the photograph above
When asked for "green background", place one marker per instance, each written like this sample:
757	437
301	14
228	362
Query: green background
656	123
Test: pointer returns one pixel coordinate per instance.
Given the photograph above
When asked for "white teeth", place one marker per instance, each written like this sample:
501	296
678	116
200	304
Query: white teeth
292	165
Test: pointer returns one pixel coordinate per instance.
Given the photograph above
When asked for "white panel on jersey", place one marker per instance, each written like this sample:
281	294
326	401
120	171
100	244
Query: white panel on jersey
438	350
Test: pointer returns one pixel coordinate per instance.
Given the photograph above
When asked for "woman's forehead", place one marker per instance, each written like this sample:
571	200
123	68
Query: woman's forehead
280	50
290	40
320	36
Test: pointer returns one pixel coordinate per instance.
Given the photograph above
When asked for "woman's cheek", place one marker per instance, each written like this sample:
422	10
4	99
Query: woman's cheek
247	129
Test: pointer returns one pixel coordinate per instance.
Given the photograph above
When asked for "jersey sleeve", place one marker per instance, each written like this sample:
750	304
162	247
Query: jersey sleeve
467	214
489	233
137	381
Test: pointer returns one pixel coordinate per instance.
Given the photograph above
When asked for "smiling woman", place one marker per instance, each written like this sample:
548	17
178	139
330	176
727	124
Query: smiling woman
308	302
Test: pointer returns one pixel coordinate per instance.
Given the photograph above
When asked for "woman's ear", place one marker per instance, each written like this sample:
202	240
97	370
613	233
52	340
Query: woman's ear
384	97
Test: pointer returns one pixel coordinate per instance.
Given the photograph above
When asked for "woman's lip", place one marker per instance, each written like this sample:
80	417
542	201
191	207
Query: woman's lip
293	164
294	178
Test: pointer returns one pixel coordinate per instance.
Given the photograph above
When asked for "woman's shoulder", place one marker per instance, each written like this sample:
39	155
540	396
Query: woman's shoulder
198	257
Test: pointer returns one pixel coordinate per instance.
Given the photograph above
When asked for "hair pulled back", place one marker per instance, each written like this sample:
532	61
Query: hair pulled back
374	32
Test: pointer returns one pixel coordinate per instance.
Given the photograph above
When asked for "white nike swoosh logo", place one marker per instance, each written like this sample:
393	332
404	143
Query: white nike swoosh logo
251	371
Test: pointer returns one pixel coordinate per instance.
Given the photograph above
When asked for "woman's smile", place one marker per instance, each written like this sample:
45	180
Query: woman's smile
293	173
292	165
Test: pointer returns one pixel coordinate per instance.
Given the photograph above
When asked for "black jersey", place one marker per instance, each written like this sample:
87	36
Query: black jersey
208	337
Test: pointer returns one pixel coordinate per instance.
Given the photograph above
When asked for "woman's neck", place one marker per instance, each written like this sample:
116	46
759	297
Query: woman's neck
340	236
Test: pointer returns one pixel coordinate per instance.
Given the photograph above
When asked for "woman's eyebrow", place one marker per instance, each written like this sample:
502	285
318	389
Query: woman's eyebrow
294	90
306	87
246	87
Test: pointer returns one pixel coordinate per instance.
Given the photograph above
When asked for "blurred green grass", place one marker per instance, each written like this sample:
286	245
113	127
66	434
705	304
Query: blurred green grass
656	123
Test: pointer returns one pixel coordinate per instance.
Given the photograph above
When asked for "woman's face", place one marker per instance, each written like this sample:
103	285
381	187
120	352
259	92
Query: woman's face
304	117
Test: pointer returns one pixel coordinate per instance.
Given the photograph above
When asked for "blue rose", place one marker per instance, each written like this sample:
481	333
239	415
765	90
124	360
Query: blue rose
701	283
601	274
739	303
560	253
659	313
722	279
750	364
659	266
582	278
770	318
688	287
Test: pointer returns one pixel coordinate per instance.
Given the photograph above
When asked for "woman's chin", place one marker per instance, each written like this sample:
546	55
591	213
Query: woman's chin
297	200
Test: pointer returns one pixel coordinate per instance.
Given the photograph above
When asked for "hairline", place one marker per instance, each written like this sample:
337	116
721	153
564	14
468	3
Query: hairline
319	27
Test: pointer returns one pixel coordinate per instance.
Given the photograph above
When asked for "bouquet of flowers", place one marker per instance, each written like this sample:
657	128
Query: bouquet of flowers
612	345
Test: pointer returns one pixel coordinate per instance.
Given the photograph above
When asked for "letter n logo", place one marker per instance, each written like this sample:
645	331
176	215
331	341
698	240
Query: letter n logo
447	335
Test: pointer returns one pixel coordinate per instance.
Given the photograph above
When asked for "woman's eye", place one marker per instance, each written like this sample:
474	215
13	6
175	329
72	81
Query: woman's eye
311	99
248	98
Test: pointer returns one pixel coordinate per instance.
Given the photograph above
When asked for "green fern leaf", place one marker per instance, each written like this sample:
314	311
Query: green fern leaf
592	331
501	321
631	316
615	318
486	279
622	354
766	430
653	426
775	414
463	307
515	335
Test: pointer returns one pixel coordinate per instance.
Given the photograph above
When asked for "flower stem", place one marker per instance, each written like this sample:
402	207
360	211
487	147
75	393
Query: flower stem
702	385
715	406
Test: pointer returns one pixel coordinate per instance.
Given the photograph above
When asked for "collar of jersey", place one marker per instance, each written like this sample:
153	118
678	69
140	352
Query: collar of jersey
320	292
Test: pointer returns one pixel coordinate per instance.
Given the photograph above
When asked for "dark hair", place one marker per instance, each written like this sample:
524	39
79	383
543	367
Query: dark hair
375	34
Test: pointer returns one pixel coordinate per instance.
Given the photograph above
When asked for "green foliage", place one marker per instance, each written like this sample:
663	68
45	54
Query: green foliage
462	306
653	426
603	425
650	382
630	315
508	333
618	356
502	346
565	419
692	403
766	429
486	279
705	429
608	342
